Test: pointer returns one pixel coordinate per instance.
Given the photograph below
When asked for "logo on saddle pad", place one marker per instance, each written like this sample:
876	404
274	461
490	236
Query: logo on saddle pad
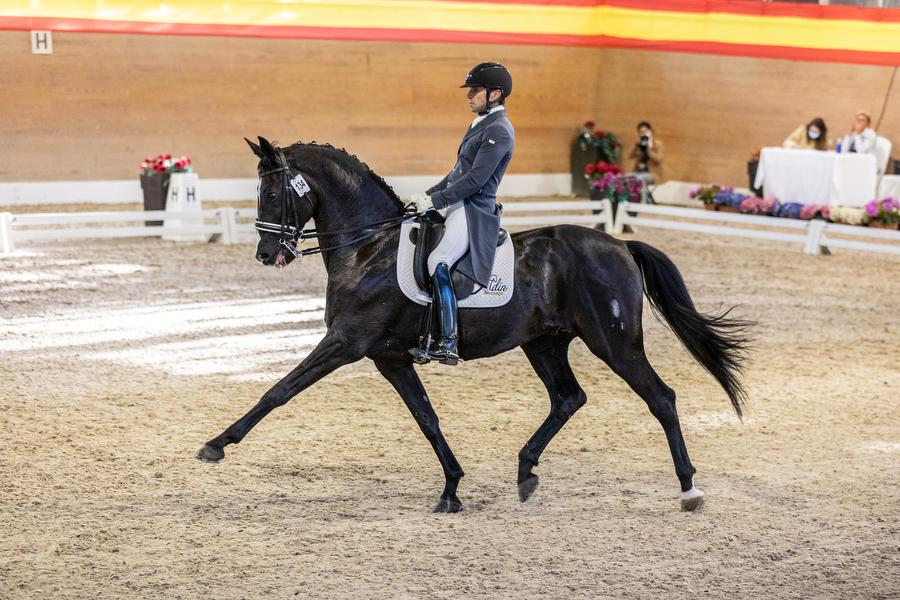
498	292
496	287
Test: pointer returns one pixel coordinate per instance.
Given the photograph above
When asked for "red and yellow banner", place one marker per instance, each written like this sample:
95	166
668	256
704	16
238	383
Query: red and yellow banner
772	30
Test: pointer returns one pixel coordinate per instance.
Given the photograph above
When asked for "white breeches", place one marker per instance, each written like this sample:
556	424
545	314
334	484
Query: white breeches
455	242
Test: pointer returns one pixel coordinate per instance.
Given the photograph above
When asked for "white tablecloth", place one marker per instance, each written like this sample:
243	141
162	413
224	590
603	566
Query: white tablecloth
889	187
814	177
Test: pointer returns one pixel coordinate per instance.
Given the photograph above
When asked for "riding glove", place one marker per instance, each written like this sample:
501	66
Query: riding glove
422	201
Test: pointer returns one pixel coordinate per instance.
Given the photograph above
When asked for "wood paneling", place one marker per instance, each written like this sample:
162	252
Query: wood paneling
713	111
101	102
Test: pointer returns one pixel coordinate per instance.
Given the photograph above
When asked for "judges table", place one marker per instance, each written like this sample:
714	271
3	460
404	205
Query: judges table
814	177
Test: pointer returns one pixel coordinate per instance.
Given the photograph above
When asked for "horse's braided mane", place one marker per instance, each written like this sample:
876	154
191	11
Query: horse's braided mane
357	162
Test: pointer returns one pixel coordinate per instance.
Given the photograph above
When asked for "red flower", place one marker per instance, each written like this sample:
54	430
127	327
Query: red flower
588	124
599	134
590	169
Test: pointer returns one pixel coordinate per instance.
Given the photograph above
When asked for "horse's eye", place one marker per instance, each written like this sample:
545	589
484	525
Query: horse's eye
271	195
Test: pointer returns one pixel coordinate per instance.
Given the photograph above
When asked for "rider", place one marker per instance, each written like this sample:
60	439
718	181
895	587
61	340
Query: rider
466	198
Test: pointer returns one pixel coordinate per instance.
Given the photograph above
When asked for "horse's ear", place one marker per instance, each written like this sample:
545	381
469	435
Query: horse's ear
268	149
256	149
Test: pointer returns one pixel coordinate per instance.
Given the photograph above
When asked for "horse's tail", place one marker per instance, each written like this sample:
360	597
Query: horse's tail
717	342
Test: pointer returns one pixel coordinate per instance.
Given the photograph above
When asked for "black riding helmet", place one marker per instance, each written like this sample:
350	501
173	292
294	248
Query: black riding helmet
491	76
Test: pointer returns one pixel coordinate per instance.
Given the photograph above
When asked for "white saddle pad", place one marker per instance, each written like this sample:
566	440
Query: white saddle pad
498	292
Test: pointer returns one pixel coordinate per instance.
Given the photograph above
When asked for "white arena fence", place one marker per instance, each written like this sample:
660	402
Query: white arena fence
235	225
816	236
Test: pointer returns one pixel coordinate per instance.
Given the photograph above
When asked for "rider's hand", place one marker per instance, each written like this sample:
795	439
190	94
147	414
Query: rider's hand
422	201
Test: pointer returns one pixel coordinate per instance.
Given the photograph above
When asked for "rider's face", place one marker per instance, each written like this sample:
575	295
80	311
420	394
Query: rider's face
477	99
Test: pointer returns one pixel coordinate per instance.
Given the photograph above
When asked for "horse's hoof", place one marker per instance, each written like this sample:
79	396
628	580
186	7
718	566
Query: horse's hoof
210	454
692	499
527	487
448	505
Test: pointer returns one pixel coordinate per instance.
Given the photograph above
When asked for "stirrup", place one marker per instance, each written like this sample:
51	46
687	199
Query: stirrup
445	356
420	356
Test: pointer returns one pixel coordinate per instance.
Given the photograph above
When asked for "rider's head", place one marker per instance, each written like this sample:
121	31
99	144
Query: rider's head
490	84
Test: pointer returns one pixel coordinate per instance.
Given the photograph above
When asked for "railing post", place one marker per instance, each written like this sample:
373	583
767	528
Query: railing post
619	223
6	233
814	237
606	212
227	220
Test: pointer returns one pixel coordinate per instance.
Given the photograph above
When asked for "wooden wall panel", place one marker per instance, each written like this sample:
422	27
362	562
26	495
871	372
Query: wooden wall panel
101	102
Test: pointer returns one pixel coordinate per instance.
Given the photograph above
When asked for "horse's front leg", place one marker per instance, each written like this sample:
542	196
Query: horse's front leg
331	353
406	381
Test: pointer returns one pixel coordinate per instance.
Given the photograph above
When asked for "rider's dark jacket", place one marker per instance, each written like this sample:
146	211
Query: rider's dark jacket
483	156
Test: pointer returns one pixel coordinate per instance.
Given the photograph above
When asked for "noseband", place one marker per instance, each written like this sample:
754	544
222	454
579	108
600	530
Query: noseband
291	234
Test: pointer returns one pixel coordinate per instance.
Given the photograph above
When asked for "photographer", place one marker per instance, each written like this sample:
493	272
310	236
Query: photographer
647	155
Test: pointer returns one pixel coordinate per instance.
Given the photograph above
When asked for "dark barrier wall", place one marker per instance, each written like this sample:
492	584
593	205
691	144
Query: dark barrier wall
101	102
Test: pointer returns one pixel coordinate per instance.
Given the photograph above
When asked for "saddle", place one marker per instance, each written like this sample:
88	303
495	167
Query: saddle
426	238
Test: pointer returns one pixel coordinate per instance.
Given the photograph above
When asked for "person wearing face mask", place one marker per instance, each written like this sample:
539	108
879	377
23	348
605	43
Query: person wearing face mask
811	136
861	138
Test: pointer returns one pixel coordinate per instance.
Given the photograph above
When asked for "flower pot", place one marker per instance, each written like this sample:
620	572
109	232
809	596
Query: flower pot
880	225
726	208
155	187
710	206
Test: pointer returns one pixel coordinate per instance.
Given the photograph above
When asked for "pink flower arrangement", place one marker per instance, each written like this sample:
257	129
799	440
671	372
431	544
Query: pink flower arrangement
166	163
886	210
618	187
812	211
758	206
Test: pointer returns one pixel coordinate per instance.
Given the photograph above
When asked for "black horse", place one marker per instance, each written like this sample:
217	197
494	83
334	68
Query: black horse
569	282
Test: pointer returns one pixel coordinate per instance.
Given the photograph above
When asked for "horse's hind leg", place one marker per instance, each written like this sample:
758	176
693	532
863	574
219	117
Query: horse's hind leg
549	357
407	383
625	356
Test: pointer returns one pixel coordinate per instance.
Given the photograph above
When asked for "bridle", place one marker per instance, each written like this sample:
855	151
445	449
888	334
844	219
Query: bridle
291	221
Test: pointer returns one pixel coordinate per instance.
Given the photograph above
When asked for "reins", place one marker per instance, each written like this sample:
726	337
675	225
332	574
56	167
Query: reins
291	234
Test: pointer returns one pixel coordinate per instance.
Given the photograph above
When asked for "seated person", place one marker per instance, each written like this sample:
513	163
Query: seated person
861	138
811	136
647	155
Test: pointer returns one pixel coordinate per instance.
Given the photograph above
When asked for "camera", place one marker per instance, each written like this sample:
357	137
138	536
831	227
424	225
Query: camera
645	141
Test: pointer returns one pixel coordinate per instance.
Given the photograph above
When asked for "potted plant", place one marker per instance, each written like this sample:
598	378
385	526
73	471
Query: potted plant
884	213
815	211
751	205
154	175
609	183
848	215
707	195
596	171
589	146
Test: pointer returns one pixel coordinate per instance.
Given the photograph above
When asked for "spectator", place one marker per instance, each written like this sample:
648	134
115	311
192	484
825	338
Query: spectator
811	136
861	138
647	155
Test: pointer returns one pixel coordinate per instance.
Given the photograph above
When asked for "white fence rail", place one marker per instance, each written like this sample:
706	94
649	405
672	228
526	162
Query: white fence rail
235	225
813	235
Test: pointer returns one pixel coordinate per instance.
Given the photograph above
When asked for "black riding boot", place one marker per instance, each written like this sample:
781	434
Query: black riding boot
444	350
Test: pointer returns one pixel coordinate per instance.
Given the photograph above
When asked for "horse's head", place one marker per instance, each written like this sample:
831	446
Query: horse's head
285	203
